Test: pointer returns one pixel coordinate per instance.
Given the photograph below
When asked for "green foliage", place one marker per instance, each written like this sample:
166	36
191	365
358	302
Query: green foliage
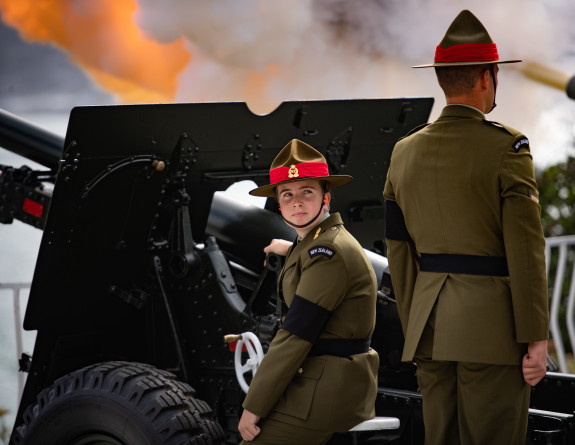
557	197
556	185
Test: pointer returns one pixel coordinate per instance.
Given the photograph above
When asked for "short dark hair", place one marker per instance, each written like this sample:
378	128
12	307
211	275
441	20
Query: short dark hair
325	186
458	80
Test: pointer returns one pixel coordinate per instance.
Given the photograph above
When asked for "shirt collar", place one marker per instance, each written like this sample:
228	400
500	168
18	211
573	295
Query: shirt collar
473	108
323	218
462	110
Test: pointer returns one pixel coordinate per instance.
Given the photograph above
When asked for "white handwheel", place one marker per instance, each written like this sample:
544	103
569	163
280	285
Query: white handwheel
255	356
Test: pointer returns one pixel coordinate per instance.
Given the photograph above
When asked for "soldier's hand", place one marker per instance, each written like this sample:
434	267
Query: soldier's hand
248	427
278	246
535	362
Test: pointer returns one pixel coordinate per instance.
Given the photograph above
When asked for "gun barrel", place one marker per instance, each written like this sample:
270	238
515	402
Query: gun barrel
29	140
548	76
243	230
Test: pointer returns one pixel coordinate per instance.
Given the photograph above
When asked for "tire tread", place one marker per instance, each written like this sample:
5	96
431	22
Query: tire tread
167	404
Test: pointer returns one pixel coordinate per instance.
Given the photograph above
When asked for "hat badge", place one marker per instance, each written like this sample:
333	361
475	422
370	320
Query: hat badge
293	171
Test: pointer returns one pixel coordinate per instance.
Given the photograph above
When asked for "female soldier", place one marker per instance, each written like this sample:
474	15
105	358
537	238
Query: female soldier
319	375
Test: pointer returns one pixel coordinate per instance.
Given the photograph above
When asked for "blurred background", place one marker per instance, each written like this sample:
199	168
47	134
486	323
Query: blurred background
59	54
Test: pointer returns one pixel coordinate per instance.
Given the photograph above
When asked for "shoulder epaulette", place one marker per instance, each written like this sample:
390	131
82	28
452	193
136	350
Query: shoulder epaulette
414	130
519	139
327	234
512	131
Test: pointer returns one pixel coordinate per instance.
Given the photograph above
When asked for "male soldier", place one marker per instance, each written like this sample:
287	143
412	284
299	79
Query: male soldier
466	254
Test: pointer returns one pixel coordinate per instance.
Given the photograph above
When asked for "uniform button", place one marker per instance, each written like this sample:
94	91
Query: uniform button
300	370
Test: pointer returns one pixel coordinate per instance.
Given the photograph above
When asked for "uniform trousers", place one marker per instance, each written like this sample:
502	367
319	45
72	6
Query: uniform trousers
470	403
274	432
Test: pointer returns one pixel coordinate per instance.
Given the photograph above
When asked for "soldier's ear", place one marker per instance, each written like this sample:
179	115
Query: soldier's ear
485	78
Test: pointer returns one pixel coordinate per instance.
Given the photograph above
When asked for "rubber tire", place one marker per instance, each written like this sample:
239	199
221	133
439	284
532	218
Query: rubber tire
118	403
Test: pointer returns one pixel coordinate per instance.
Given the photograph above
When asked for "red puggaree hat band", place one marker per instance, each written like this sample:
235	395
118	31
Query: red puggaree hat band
298	171
468	52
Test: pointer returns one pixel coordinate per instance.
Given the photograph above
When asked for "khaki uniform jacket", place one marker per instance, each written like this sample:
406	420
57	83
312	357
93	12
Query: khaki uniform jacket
330	269
466	186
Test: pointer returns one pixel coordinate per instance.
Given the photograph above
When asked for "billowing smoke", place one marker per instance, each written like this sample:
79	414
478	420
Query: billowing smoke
264	52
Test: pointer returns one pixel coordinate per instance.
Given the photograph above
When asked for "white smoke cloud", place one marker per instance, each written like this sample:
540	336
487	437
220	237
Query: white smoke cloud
335	49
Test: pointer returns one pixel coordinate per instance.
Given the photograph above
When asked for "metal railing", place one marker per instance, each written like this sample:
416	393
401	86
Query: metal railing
16	288
560	257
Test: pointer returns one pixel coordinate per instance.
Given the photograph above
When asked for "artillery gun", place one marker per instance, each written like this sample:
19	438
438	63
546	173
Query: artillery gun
548	76
145	266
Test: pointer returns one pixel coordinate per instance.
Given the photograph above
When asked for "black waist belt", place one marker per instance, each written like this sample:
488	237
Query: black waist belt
339	347
467	264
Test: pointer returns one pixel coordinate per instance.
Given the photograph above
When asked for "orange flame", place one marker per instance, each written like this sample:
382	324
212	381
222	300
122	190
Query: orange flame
103	39
254	90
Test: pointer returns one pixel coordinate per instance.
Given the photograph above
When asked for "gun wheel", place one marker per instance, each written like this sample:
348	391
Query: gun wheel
118	403
255	357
